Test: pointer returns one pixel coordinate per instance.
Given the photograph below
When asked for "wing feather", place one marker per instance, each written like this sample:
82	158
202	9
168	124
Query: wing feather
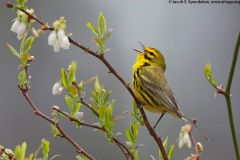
157	85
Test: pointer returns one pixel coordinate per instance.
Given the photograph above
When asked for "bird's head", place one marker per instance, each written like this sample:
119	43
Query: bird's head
151	56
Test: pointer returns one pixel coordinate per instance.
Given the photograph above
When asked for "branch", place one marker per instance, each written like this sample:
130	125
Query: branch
10	155
112	70
193	140
228	98
124	149
62	133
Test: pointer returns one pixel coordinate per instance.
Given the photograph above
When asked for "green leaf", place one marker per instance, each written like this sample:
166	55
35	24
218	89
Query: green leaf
136	155
109	123
81	157
69	101
99	43
101	24
12	50
21	2
94	104
16	7
111	105
92	28
107	35
20	151
130	136
95	96
72	72
135	129
76	108
22	78
169	152
64	78
55	131
72	90
17	152
25	57
102	111
23	150
165	143
107	97
45	147
96	85
135	108
30	157
209	76
78	157
26	45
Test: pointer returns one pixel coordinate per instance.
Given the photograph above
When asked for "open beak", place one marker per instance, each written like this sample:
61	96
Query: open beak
142	45
138	50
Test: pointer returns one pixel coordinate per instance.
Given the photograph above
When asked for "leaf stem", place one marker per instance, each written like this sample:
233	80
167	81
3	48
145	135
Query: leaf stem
228	98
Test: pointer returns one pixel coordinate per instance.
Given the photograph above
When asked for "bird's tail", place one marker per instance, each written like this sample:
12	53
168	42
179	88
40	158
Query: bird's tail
194	126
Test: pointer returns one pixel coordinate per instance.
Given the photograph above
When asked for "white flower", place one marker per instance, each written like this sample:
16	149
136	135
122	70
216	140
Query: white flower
184	137
20	28
22	24
15	25
60	33
57	88
64	42
52	38
58	39
34	32
9	151
55	110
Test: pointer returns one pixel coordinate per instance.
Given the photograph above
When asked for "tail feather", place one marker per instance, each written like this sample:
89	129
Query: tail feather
194	126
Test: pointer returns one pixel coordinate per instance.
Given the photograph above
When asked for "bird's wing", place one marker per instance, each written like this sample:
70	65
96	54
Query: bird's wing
155	81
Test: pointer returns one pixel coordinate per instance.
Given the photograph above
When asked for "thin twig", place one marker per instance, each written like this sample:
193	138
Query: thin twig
10	155
227	95
112	70
62	133
193	141
124	149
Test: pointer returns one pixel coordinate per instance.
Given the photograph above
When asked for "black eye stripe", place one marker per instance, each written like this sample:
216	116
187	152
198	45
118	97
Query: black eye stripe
151	53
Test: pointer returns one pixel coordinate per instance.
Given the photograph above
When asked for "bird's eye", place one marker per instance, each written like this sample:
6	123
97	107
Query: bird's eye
151	53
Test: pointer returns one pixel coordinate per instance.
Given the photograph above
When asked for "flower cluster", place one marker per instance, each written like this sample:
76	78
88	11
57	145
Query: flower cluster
22	24
57	88
184	137
57	38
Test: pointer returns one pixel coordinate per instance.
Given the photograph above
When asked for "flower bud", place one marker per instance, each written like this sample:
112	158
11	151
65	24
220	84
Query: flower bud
57	88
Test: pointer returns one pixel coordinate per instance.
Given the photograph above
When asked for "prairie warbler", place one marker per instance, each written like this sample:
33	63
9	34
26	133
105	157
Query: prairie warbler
151	87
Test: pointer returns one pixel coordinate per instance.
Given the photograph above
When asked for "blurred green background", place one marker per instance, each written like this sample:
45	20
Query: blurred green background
189	35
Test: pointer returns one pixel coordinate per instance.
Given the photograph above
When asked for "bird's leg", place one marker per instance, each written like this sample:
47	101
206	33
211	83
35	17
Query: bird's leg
159	120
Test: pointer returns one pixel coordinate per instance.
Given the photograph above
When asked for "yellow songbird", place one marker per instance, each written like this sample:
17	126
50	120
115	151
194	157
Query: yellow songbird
151	87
